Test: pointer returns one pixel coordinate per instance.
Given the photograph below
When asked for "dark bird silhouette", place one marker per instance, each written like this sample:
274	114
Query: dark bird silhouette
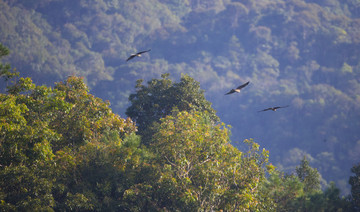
137	54
273	108
237	90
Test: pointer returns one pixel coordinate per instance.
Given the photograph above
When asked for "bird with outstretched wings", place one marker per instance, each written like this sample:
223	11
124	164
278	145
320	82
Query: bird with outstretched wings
137	54
273	108
237	90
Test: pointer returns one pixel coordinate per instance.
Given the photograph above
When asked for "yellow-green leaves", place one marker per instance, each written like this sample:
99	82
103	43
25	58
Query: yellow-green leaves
208	172
61	145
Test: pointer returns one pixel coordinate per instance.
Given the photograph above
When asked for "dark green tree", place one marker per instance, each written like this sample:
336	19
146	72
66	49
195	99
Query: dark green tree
160	96
295	193
354	181
309	176
281	191
5	69
333	201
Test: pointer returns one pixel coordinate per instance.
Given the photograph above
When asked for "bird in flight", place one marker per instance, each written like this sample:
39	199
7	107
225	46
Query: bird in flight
273	108
237	90
137	54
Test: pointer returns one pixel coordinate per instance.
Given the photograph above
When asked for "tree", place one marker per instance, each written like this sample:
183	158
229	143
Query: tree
282	191
60	147
5	69
309	176
156	100
98	175
87	118
354	181
333	201
295	193
26	188
25	154
199	170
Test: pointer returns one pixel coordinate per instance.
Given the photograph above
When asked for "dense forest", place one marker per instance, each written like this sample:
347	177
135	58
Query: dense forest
63	149
305	54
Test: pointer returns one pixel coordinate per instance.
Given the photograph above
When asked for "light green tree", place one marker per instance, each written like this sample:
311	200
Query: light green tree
61	148
199	170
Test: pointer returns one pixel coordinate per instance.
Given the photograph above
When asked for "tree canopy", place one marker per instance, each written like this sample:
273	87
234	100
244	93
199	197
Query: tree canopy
62	149
157	100
301	53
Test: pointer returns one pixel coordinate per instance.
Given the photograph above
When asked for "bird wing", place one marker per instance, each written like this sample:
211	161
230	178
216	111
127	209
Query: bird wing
131	57
273	108
265	109
143	51
282	107
230	92
243	85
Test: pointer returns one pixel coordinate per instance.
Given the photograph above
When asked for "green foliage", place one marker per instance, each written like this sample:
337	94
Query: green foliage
160	97
281	191
23	139
87	117
62	149
199	170
5	69
25	188
301	192
54	141
301	53
309	176
354	181
3	50
97	175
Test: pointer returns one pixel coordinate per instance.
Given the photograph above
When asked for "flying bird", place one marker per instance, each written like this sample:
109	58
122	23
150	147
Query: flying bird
273	108
137	54
237	90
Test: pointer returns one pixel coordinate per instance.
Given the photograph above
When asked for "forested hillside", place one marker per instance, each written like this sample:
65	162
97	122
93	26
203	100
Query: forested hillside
63	149
305	54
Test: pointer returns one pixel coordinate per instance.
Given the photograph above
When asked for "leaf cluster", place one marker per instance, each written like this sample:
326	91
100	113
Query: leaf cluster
53	142
158	99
